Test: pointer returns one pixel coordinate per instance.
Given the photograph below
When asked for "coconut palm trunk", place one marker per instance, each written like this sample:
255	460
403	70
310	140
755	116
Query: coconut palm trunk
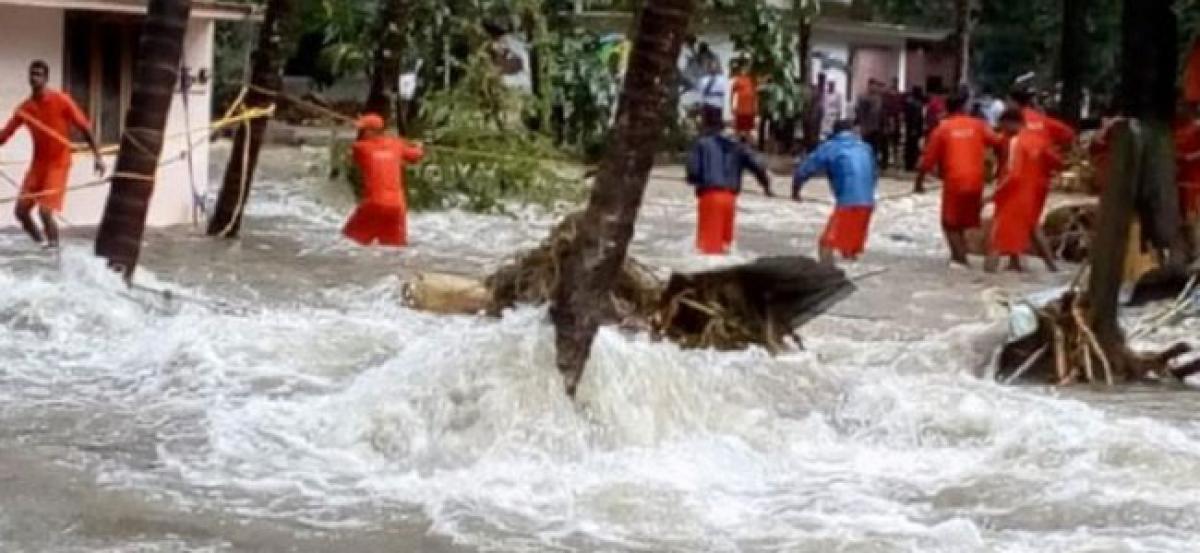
156	78
1143	176
384	95
1073	60
962	38
593	262
266	76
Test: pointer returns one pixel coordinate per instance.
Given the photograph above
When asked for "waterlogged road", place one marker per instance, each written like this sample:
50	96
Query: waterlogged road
283	401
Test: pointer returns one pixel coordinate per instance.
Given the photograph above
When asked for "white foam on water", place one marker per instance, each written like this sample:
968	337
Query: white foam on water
369	413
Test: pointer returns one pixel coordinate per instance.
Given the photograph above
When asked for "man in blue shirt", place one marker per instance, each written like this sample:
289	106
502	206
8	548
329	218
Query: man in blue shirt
714	167
850	165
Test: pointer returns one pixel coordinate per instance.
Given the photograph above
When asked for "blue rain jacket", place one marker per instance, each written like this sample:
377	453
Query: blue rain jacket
850	165
717	161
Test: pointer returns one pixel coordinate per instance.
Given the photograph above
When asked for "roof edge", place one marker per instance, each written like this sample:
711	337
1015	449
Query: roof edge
201	9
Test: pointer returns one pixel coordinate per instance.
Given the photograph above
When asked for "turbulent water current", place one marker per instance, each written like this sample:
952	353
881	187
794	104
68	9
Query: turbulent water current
283	381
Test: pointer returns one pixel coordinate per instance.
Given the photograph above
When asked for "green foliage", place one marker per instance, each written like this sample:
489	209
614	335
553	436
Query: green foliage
586	89
766	40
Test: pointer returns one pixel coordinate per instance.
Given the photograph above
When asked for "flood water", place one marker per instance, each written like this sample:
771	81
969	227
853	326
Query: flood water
283	400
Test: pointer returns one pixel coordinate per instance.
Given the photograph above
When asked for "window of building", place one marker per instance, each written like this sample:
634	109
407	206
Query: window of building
98	68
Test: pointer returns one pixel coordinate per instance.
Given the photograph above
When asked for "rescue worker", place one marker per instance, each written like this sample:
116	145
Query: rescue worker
49	115
1191	76
1187	151
714	167
1021	197
745	102
958	149
1059	133
382	216
853	175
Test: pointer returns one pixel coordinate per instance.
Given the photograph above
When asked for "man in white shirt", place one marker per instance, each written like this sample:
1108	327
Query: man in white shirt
714	90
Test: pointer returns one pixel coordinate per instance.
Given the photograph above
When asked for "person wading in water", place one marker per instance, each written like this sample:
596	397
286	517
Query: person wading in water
49	115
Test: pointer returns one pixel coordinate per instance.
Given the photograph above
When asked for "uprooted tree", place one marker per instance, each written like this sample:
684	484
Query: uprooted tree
1079	337
593	261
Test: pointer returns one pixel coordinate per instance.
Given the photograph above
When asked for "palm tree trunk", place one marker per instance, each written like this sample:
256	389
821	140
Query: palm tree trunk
591	266
1143	162
1073	59
266	74
156	77
962	37
384	96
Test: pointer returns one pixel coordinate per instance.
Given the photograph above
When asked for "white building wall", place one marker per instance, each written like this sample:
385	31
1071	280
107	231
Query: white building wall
37	33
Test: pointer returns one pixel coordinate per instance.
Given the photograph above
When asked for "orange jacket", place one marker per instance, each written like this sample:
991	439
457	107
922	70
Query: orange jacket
1191	75
1031	162
49	120
1187	148
381	161
1061	134
745	95
959	146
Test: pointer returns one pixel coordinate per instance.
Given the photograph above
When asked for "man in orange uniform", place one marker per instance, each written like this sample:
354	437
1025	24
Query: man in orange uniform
958	146
1024	187
49	116
745	102
714	168
383	214
1191	76
1061	135
1187	151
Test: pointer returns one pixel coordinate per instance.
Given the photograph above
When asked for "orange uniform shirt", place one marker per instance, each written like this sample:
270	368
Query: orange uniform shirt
1191	75
958	146
1021	198
381	161
1187	148
1061	134
49	120
745	95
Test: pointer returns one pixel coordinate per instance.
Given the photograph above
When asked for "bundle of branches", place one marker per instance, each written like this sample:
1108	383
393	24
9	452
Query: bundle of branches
1070	230
1079	175
755	304
533	278
1065	350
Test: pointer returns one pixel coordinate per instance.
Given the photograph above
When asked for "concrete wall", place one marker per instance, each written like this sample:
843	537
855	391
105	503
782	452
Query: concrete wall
32	33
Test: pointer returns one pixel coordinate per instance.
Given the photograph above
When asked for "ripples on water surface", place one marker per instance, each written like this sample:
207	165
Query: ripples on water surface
341	410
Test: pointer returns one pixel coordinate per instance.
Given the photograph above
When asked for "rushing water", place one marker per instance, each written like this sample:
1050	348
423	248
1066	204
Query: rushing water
285	382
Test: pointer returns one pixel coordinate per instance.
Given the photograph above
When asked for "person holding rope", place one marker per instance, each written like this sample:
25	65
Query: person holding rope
49	115
382	217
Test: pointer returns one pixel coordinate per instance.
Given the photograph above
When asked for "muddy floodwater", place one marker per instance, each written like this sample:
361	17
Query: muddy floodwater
281	399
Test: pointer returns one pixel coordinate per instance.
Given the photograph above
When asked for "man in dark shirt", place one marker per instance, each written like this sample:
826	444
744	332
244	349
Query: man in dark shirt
715	166
914	127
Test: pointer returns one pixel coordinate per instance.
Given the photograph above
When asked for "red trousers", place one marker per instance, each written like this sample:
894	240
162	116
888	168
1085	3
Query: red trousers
715	220
385	224
961	209
847	230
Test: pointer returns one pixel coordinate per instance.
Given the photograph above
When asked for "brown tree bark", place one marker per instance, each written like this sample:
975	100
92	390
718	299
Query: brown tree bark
1143	162
156	78
266	76
591	265
1073	58
384	96
962	41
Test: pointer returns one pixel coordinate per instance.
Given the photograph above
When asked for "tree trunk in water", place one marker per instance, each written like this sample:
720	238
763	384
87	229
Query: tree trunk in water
266	74
1073	59
1143	163
385	70
156	78
593	262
